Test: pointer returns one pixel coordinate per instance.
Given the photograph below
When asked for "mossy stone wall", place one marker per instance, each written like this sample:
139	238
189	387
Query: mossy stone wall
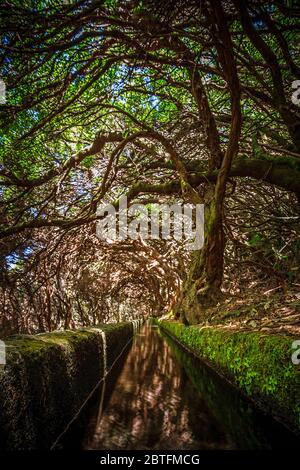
259	364
47	379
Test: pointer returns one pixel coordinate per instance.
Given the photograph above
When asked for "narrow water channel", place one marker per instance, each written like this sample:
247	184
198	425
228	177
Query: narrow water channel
160	397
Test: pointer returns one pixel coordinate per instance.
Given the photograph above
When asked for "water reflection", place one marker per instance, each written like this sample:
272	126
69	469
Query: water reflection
165	399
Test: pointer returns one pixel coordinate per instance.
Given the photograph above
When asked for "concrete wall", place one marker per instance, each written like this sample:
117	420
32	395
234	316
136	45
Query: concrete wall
49	376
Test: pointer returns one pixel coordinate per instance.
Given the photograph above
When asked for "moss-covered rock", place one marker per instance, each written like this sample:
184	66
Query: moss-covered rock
47	379
259	364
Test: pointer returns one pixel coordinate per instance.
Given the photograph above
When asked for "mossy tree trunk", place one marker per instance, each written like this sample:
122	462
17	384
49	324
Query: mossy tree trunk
202	287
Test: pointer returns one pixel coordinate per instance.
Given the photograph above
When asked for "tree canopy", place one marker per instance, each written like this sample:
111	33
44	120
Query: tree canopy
160	101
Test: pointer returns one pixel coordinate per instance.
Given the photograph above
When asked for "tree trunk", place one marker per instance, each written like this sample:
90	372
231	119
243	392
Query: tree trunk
202	287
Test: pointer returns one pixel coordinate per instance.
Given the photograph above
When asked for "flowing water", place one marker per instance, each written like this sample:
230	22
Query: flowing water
161	397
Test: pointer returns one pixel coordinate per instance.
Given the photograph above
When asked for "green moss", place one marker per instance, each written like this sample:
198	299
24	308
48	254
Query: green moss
260	365
47	379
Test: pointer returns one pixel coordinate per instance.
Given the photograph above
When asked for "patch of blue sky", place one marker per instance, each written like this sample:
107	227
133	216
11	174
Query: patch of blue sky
33	211
27	251
34	114
118	86
13	258
7	61
5	39
259	23
82	192
152	98
155	101
65	55
75	71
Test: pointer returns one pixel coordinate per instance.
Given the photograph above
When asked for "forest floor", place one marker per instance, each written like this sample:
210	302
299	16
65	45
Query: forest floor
273	311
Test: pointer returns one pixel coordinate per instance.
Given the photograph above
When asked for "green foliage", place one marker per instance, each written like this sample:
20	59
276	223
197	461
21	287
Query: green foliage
259	364
255	239
141	78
